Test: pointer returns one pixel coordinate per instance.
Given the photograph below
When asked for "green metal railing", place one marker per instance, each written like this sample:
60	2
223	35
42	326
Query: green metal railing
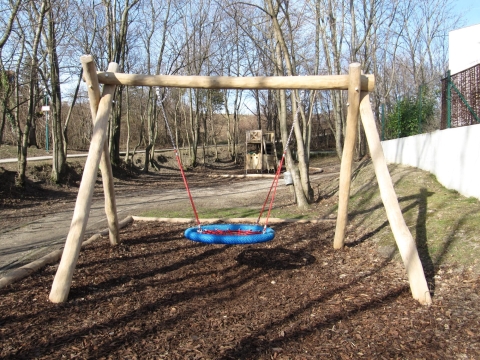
460	97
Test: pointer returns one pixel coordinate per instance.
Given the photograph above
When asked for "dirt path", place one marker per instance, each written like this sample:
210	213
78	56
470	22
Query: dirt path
31	240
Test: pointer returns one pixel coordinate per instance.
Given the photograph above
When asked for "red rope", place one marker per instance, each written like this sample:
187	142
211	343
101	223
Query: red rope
274	192
277	175
273	186
186	186
179	161
231	232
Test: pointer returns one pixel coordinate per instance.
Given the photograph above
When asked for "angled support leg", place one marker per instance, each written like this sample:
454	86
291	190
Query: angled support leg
403	237
93	89
63	278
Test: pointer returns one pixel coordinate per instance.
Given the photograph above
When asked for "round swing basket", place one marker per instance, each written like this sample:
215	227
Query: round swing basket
230	234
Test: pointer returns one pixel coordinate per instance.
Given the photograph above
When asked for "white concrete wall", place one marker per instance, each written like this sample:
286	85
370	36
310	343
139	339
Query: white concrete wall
453	155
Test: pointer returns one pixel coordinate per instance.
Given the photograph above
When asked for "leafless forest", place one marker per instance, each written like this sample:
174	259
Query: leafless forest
402	42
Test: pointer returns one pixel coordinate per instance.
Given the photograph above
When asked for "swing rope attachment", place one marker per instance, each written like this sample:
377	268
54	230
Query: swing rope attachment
179	160
277	175
228	233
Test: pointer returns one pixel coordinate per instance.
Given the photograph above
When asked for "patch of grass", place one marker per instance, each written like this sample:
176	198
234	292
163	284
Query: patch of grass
167	214
240	212
443	223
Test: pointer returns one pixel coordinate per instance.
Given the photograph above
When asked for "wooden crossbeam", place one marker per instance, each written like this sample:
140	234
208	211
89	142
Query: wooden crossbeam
318	82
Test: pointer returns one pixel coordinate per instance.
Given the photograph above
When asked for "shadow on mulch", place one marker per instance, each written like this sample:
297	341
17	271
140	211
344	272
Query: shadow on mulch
277	258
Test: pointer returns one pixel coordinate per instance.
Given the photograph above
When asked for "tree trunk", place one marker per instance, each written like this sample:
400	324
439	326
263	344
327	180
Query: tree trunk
117	49
59	158
300	198
115	127
306	192
147	158
331	42
69	115
4	117
338	116
22	154
7	86
127	150
151	127
194	129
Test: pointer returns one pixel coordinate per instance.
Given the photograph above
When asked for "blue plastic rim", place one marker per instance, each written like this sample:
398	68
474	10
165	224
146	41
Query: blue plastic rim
194	234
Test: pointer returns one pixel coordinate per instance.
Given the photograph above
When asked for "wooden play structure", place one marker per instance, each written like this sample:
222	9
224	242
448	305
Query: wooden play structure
358	87
260	153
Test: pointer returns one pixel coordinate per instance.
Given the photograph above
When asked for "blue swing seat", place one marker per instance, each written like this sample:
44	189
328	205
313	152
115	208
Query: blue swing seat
230	234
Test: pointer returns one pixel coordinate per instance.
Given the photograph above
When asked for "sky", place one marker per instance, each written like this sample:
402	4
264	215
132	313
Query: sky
470	10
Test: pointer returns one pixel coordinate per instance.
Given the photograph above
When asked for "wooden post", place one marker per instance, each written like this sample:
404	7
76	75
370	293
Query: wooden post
63	277
93	89
347	155
403	237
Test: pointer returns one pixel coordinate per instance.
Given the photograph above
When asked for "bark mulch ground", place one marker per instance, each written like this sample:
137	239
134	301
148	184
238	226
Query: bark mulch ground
160	296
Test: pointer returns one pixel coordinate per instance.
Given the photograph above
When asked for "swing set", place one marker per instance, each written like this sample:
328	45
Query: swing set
358	87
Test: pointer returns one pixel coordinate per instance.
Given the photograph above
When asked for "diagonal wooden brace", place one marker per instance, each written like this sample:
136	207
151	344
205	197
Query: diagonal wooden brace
403	237
63	278
93	89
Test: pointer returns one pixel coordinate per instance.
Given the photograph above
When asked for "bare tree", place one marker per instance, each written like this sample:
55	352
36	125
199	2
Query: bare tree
200	22
8	24
302	185
401	41
59	156
33	82
117	30
159	13
7	77
84	41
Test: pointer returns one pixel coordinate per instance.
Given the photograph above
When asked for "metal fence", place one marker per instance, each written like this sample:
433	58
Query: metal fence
461	98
